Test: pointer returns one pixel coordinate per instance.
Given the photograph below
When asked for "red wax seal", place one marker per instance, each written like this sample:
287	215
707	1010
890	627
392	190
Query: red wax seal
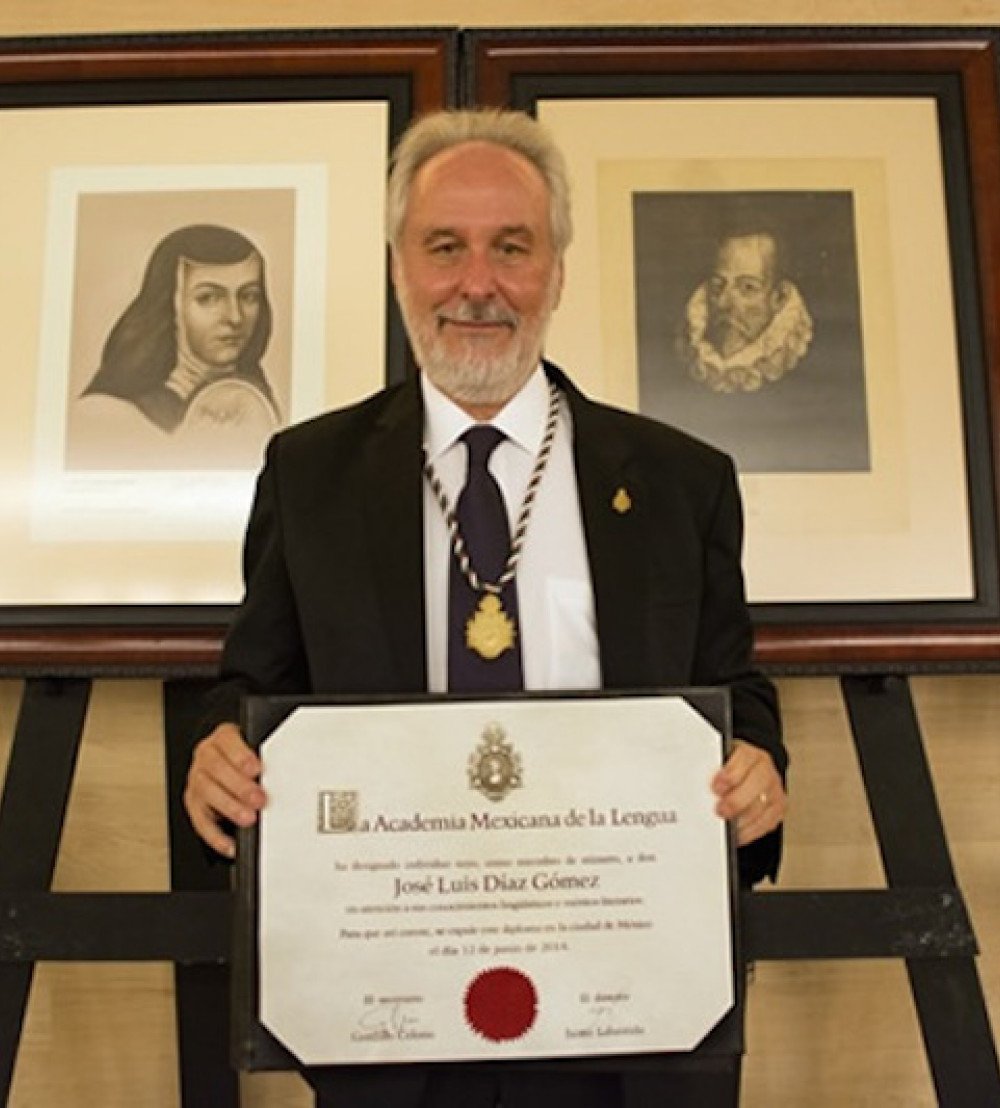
501	1004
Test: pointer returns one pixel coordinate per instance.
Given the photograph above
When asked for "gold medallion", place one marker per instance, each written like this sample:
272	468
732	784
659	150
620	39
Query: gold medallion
489	630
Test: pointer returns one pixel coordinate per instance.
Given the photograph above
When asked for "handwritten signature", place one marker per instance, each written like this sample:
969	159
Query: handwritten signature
387	1020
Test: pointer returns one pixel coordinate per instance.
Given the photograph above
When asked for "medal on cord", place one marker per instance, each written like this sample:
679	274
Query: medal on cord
489	630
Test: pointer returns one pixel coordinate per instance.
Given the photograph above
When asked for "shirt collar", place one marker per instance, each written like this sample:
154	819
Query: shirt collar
522	418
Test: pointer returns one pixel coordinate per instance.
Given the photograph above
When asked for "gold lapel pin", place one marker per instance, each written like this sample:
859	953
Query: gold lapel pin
621	501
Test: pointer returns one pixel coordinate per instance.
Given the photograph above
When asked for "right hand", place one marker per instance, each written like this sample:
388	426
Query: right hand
222	784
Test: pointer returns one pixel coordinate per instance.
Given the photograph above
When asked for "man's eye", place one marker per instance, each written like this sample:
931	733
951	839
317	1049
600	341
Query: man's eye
444	249
748	286
513	249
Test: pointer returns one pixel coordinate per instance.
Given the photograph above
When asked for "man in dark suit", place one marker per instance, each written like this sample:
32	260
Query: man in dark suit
623	572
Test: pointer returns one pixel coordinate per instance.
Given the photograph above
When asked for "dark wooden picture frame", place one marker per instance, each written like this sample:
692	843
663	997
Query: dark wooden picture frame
406	71
956	70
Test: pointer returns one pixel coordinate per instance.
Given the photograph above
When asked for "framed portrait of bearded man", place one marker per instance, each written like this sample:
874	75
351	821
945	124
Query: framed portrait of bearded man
784	245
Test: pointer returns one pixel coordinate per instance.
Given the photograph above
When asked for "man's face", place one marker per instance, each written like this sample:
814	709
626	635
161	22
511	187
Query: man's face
476	272
218	306
742	298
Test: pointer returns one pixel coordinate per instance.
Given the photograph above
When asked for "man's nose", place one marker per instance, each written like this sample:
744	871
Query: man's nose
724	296
478	277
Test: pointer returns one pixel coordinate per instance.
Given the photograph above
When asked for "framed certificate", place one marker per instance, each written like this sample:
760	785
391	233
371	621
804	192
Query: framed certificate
453	880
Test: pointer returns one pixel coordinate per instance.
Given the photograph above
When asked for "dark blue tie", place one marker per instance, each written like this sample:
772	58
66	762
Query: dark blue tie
482	523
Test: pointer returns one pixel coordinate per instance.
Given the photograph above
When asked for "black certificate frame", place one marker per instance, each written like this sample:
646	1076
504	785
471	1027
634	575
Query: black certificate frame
252	1046
410	71
955	67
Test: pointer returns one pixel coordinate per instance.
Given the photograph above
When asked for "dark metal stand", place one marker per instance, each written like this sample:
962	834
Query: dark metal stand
920	916
202	990
39	776
911	837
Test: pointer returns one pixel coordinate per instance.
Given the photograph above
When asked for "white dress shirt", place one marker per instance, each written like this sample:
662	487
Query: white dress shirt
555	595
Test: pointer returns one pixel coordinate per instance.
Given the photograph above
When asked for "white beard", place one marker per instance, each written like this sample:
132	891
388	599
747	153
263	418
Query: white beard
476	376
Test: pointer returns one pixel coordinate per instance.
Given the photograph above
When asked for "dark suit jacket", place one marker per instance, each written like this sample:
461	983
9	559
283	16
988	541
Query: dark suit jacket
335	578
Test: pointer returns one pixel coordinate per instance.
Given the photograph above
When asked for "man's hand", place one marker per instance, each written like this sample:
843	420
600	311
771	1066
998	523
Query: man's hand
750	792
222	784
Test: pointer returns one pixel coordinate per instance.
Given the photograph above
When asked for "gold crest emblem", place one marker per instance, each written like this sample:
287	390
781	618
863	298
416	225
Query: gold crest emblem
622	502
495	766
489	631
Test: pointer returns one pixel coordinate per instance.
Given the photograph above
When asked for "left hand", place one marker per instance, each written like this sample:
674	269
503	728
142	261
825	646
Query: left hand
750	792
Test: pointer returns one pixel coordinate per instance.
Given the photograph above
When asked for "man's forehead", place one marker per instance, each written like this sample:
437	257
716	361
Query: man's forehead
480	153
477	175
756	250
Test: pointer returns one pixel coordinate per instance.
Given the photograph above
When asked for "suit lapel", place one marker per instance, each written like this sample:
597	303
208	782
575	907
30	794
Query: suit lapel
612	500
393	511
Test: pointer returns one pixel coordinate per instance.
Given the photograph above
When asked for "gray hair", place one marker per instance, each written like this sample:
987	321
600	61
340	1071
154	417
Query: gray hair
516	131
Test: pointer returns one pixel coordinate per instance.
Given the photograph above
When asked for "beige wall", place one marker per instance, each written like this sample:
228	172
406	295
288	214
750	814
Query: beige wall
93	16
830	1034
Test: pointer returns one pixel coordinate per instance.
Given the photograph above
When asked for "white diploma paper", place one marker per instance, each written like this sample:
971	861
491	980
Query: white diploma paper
495	880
